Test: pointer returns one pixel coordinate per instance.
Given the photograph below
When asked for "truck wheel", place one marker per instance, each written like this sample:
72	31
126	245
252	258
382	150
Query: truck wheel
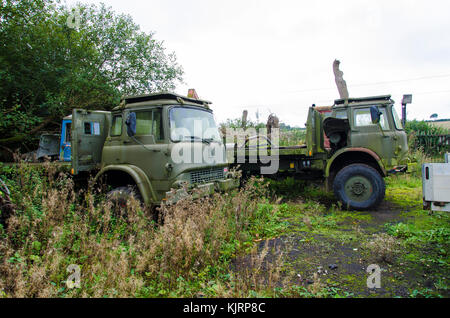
119	197
359	187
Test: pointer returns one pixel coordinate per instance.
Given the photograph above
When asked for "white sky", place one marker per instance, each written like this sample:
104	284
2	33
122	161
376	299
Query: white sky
276	56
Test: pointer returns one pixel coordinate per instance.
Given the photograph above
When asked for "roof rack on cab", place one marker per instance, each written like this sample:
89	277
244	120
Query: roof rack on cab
382	98
179	99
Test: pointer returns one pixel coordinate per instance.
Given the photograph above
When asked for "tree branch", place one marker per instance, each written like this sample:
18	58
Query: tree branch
21	137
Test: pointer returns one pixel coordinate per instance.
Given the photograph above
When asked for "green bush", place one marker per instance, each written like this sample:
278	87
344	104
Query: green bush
411	233
425	136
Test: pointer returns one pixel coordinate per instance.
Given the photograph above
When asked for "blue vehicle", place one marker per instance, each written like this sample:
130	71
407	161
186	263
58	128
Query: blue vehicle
55	148
65	147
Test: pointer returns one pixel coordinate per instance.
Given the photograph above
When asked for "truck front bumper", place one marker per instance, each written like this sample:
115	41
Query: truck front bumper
398	169
201	190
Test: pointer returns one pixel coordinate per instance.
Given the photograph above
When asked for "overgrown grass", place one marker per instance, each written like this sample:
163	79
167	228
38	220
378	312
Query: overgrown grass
221	246
190	254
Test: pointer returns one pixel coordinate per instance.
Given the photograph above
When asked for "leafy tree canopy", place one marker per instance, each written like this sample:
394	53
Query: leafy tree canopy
48	66
424	128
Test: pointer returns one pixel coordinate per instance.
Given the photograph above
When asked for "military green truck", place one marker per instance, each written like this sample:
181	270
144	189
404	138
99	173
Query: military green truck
350	146
157	147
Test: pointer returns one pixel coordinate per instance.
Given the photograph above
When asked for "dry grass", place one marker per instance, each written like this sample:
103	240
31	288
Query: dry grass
127	257
260	271
383	247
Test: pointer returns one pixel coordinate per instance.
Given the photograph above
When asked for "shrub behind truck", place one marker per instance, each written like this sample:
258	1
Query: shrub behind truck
53	148
350	147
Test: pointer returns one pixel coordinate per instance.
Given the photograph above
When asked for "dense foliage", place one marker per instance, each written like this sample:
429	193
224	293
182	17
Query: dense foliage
424	128
49	64
427	137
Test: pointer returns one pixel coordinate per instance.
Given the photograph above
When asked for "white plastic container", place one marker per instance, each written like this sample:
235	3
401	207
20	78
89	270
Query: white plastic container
436	186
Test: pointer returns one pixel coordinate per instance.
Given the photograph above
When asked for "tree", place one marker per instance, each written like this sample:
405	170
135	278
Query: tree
47	67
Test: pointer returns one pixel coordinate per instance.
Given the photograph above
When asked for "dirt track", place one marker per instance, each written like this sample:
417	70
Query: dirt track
341	260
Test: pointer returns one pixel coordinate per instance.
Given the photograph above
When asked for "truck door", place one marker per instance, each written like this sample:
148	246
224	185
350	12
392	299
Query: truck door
89	131
65	150
146	148
314	132
378	138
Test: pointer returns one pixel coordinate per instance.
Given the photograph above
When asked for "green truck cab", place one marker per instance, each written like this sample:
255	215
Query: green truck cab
158	147
350	146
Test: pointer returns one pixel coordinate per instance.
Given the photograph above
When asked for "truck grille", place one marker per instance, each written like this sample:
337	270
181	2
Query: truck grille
203	176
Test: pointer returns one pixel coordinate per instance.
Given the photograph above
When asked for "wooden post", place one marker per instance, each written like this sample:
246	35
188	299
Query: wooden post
272	122
244	119
340	82
404	115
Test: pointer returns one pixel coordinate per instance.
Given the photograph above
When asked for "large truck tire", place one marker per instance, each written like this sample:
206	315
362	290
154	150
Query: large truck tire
119	198
359	187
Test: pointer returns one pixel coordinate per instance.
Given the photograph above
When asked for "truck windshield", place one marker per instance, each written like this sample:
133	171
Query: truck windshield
397	121
191	124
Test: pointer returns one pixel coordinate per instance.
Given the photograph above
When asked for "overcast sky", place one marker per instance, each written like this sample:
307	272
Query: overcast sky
276	56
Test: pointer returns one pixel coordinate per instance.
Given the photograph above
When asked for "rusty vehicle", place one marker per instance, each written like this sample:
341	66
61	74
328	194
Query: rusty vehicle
131	148
350	147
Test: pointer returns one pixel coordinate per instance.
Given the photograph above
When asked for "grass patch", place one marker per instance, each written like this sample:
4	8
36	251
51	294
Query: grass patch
404	191
248	243
129	255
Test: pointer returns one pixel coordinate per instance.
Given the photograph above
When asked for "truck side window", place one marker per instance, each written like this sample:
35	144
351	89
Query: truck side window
68	132
341	114
87	128
363	118
149	123
144	123
116	128
397	121
157	124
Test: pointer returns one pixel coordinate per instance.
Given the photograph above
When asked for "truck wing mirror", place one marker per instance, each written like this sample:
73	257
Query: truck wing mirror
375	114
131	124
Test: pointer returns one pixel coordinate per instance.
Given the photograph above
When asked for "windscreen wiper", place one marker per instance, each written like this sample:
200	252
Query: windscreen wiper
195	138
